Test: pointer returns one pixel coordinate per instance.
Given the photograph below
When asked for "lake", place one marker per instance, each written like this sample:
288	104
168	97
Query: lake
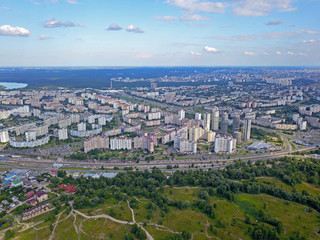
13	85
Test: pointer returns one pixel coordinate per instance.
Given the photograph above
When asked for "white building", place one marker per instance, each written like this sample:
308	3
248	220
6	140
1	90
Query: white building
31	136
31	144
120	143
4	136
82	127
215	120
184	145
224	144
154	115
63	134
246	130
295	117
209	136
198	116
303	125
102	120
206	123
182	114
92	119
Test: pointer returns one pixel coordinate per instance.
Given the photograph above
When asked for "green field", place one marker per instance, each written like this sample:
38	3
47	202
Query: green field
191	205
229	222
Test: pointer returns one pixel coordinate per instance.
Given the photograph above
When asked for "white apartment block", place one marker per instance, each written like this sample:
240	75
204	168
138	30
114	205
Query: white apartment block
63	134
184	145
4	136
82	127
120	143
182	114
154	115
224	144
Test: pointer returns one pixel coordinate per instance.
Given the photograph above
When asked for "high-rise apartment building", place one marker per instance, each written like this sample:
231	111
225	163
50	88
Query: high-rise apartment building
246	130
224	123
206	124
215	120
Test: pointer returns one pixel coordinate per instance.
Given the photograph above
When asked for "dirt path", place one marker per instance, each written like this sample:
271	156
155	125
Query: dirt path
55	225
149	237
134	221
74	225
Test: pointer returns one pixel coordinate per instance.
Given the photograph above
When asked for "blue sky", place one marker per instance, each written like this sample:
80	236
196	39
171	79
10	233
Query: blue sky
159	32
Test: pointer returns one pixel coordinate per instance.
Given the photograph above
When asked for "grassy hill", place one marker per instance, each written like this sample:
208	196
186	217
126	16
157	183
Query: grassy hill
185	207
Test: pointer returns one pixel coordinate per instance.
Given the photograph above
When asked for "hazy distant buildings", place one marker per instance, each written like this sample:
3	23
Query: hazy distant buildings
153	85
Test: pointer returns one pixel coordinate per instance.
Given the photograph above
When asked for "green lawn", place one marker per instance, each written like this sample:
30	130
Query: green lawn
229	222
182	194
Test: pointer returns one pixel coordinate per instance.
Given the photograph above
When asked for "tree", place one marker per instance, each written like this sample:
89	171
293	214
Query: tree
186	235
9	234
128	236
204	195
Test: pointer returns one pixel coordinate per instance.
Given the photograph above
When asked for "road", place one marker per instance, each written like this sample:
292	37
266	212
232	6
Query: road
183	164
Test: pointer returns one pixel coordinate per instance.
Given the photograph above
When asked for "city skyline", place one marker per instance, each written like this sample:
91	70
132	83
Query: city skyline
159	33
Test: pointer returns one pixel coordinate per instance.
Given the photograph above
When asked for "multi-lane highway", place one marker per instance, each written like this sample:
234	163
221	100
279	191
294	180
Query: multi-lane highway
183	164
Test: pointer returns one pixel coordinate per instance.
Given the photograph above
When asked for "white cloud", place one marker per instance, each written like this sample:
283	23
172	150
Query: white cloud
277	22
266	53
44	37
239	7
278	52
134	29
290	53
72	1
249	53
261	7
302	54
198	25
114	27
53	23
183	44
199	6
5	8
211	49
7	30
195	53
269	35
311	41
143	56
194	17
184	17
166	18
39	2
